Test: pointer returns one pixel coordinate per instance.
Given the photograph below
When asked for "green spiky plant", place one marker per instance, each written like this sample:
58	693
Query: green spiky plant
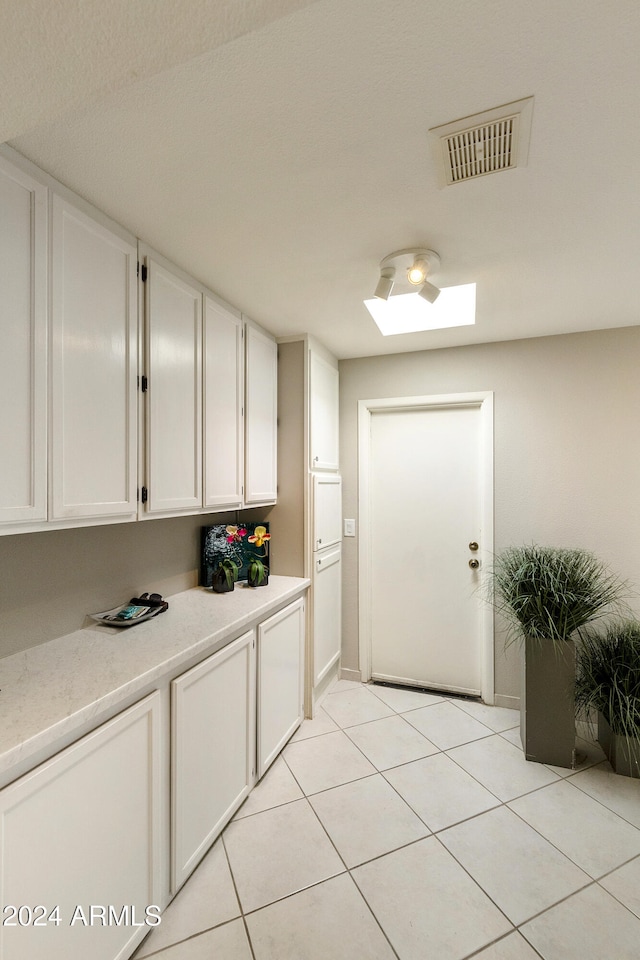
257	572
608	681
230	569
549	593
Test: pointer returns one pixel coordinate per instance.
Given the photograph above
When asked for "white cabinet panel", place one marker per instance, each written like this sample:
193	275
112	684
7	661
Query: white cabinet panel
261	412
93	368
323	413
174	410
23	372
280	680
327	511
82	830
223	398
327	611
213	748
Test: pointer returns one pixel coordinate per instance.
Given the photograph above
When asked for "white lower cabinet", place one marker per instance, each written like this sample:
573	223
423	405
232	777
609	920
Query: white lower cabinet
327	615
280	681
213	750
80	845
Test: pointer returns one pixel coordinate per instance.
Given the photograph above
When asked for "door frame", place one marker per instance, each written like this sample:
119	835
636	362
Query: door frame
366	408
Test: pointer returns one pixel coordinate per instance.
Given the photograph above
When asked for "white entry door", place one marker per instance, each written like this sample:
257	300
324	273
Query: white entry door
428	529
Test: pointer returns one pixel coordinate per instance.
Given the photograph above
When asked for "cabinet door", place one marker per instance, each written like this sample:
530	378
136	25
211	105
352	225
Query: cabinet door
261	416
23	372
280	681
174	399
323	413
93	368
81	832
327	511
213	748
223	397
327	612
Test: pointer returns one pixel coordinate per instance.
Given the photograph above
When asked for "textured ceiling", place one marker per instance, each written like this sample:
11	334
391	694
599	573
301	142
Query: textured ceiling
280	164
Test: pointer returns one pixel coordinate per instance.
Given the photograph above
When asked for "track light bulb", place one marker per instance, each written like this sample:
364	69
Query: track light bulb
385	283
417	273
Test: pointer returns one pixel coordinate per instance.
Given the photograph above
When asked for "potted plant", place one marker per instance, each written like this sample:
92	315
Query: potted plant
608	681
547	595
257	572
224	576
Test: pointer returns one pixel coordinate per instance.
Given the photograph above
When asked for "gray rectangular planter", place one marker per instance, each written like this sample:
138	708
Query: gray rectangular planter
547	704
623	756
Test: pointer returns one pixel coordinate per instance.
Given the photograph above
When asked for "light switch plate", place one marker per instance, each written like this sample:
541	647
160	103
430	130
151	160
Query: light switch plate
349	528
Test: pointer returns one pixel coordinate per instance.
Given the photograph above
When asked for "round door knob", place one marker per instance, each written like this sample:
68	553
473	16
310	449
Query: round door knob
474	564
473	545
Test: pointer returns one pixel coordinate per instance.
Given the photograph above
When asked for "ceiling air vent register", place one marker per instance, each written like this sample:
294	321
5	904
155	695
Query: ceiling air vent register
485	143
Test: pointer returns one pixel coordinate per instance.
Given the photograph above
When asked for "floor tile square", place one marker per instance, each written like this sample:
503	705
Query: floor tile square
501	767
355	706
427	904
403	700
325	762
367	818
321	723
594	837
588	926
496	718
439	791
624	885
390	742
513	947
513	736
329	921
620	794
227	941
447	726
207	900
520	870
278	786
278	852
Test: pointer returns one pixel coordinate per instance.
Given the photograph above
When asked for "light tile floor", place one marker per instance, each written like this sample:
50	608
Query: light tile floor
400	825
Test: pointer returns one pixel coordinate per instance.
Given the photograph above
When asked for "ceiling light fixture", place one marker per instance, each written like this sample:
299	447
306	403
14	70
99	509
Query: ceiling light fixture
414	263
412	307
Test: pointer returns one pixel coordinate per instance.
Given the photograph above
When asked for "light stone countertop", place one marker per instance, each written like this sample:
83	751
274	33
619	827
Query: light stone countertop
51	690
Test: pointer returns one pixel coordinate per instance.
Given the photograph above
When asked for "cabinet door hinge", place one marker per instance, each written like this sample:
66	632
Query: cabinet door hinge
144	383
145	494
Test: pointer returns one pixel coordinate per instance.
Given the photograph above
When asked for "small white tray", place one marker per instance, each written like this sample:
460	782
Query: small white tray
107	616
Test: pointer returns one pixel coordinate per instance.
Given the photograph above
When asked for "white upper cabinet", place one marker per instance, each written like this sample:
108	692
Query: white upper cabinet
174	398
261	415
23	357
93	368
323	412
223	406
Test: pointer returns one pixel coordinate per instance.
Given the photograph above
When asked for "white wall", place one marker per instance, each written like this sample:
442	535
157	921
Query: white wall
567	448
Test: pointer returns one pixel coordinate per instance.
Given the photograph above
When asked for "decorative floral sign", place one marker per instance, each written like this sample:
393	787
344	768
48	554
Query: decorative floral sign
233	542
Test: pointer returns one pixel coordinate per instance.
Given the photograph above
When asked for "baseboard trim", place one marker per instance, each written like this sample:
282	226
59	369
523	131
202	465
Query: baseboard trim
511	703
346	673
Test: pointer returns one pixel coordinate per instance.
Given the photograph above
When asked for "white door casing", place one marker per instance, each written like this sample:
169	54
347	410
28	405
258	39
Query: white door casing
431	595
